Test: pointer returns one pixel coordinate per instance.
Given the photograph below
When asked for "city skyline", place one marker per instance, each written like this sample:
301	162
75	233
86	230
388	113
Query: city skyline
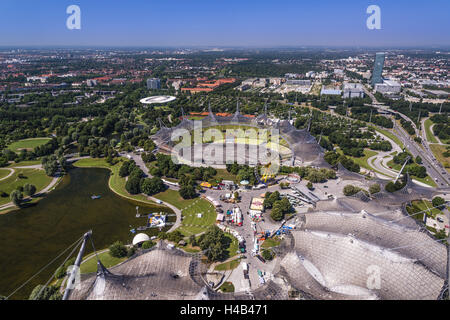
231	24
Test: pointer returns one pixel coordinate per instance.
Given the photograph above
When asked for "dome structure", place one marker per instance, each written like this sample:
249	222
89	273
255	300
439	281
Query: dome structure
139	238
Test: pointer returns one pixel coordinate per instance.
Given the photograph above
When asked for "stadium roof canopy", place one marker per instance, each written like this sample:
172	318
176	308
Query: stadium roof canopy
139	238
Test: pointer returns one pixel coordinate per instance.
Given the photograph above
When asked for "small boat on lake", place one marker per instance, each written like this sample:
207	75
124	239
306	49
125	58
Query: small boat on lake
93	197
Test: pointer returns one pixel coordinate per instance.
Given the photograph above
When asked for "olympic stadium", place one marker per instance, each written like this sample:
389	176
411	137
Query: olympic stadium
294	147
362	247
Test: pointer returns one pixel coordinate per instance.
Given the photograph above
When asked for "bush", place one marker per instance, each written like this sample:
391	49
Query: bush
350	190
130	252
374	188
309	185
267	254
48	293
175	236
60	272
148	244
118	250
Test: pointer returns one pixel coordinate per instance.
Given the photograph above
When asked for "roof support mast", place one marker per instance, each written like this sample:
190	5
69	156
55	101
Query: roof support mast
73	273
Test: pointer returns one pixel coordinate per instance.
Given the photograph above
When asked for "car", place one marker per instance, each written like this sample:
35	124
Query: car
440	219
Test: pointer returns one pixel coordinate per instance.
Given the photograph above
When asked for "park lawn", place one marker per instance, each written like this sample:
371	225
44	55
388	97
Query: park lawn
362	161
229	265
427	179
28	144
270	242
4	173
430	136
37	177
223	174
438	151
191	249
106	259
190	224
227	287
390	136
116	183
421	205
25	163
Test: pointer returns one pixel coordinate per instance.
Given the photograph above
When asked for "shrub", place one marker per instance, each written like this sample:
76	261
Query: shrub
130	252
350	190
267	254
148	244
374	188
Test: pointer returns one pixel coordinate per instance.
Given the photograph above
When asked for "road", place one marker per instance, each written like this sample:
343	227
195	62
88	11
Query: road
246	230
434	168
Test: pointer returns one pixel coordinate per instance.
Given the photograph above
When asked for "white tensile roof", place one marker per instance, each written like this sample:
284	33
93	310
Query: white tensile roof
139	238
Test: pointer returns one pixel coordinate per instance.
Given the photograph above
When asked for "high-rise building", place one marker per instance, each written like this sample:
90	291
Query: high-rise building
378	68
153	83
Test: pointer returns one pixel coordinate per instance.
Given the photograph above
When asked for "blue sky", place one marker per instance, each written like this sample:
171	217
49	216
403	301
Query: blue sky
224	23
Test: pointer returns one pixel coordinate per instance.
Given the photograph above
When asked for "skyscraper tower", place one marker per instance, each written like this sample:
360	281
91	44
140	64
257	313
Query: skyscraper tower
378	68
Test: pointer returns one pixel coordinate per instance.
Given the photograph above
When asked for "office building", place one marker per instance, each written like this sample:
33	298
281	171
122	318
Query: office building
153	84
353	90
388	86
378	69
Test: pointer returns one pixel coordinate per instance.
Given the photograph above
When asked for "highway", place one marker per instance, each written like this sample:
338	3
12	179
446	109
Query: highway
434	169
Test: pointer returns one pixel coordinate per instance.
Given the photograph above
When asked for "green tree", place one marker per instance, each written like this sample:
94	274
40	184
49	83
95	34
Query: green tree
267	254
29	189
187	192
117	250
152	186
438	202
47	293
277	213
16	197
133	185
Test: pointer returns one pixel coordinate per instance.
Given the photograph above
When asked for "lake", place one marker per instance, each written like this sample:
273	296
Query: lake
31	237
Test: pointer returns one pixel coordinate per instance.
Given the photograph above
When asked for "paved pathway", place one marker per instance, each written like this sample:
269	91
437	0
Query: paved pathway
9	175
175	209
40	193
